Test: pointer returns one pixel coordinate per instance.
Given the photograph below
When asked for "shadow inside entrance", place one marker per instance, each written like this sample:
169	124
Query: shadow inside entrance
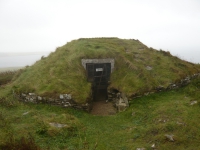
100	105
100	95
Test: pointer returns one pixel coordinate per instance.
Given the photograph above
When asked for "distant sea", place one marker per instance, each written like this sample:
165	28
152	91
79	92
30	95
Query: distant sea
19	60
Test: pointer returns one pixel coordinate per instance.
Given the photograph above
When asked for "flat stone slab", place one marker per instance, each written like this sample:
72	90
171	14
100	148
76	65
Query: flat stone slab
25	113
193	102
57	125
96	61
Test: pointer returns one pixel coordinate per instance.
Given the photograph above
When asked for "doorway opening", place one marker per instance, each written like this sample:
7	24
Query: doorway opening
100	94
98	73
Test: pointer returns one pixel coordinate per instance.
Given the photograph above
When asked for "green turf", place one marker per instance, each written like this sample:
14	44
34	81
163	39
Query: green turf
144	123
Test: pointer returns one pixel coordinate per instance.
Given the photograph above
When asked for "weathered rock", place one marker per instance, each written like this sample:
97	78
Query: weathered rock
67	96
27	98
57	125
148	68
61	96
140	148
31	99
125	99
25	113
159	88
39	98
121	107
170	137
153	145
23	95
67	104
32	94
180	123
58	101
174	85
193	102
163	120
121	104
51	99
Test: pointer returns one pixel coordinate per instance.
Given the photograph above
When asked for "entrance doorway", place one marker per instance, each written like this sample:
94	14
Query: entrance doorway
99	75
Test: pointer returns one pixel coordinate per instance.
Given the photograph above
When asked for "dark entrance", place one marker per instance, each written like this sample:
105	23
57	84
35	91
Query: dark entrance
99	75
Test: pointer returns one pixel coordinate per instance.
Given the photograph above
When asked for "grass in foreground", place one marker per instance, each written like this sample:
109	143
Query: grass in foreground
145	123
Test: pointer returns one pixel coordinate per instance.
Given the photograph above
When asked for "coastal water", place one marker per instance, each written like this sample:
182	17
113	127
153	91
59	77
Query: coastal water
18	61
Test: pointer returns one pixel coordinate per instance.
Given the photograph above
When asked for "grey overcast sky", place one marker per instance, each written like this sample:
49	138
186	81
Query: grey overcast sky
43	25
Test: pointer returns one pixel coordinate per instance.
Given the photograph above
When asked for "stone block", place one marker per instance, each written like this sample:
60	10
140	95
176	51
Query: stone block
57	125
121	107
32	94
67	104
67	96
31	99
148	68
61	96
39	98
23	95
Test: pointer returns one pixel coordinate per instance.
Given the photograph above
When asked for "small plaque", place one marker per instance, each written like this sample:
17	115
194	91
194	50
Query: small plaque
99	69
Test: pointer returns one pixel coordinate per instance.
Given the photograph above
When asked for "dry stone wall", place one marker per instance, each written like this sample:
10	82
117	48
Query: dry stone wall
64	100
121	102
119	99
171	86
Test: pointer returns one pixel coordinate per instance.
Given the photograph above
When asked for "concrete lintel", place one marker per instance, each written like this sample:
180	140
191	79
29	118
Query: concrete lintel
98	61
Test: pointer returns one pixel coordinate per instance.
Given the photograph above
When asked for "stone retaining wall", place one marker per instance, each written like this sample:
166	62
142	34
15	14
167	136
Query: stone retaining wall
121	102
64	100
171	86
119	99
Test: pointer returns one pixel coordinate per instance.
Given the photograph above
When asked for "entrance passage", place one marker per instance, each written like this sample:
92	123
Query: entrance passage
100	105
100	94
98	73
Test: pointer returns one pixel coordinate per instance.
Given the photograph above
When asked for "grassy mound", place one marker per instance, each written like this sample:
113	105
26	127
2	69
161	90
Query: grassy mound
62	72
6	77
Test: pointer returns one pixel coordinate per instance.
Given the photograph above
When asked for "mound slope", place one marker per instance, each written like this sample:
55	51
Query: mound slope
137	68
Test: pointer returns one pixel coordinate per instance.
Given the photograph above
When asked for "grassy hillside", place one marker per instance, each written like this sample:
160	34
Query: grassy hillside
146	122
6	77
62	72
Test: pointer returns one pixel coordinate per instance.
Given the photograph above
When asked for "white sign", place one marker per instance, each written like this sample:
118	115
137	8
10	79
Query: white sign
99	69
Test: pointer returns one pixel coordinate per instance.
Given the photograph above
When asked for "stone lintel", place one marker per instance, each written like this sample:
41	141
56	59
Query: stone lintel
98	61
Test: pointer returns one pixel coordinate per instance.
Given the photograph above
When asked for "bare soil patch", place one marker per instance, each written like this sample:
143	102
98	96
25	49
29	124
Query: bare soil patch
103	108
